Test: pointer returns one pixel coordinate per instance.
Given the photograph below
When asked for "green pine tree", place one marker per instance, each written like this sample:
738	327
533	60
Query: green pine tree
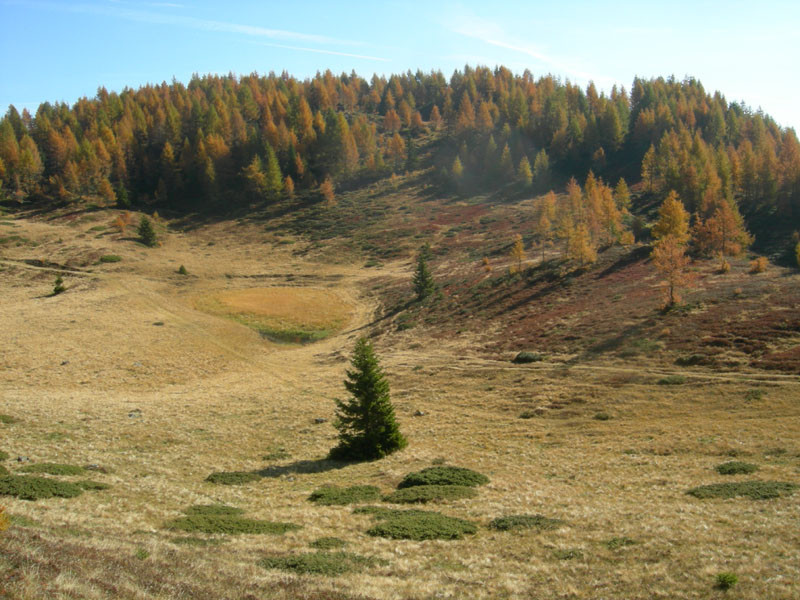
424	285
366	423
146	232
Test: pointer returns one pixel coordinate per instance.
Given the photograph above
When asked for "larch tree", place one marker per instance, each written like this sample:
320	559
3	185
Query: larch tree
670	260
673	220
366	421
580	246
517	254
328	192
524	173
649	169
723	233
622	195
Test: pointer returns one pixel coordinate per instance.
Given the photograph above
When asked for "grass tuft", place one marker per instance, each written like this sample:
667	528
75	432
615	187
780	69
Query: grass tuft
443	475
319	563
233	477
421	525
330	495
619	542
514	522
37	488
735	467
672	380
3	455
110	258
430	493
52	469
8	420
567	554
755	490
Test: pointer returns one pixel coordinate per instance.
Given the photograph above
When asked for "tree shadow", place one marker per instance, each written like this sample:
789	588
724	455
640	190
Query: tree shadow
302	467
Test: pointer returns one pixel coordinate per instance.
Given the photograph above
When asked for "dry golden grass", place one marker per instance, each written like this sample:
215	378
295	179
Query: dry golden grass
92	380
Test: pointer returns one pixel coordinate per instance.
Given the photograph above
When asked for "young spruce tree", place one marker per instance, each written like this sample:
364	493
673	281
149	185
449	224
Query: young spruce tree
366	423
146	232
424	285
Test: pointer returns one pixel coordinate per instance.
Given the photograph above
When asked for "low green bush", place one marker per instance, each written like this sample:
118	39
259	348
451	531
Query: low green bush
52	469
421	525
602	416
110	258
92	486
430	493
214	509
319	563
330	495
37	488
672	380
735	467
514	522
527	357
233	477
182	270
726	581
8	420
443	475
328	543
191	540
755	490
619	542
228	524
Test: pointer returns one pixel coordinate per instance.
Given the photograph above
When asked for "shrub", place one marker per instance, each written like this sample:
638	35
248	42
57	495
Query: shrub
514	522
726	581
182	270
233	477
736	467
755	490
228	524
430	493
619	542
191	540
527	357
330	495
724	266
754	395
602	416
92	486
319	563
672	380
422	525
52	469
444	475
141	554
37	488
4	521
328	543
759	265
110	258
214	509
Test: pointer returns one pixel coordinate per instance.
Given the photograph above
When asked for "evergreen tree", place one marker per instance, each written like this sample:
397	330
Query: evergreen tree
424	285
366	422
146	232
58	287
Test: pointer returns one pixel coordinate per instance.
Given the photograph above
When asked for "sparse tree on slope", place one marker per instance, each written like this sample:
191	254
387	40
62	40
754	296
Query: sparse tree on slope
424	285
673	220
146	232
669	258
366	422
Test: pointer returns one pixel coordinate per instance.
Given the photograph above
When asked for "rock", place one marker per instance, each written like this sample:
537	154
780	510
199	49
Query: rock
419	413
23	459
320	420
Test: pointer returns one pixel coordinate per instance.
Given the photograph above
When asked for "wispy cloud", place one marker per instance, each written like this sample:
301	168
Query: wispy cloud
119	9
322	51
494	34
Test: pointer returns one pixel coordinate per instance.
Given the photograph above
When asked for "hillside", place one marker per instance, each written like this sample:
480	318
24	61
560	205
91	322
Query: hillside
155	380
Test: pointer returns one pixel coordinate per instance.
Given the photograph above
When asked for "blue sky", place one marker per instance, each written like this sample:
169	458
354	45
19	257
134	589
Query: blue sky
60	50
